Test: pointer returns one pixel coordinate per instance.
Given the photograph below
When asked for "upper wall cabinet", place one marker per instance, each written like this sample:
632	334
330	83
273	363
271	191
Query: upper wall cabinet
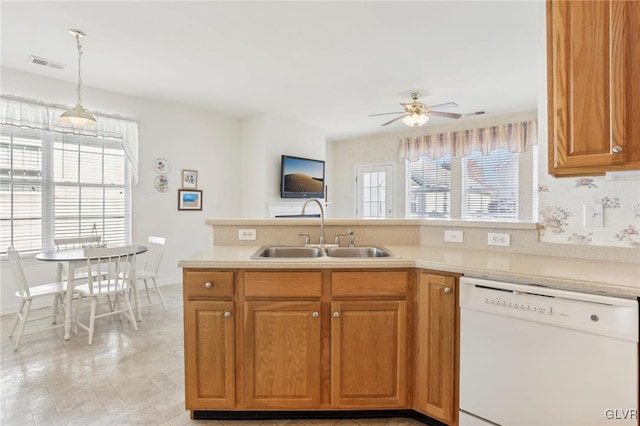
593	51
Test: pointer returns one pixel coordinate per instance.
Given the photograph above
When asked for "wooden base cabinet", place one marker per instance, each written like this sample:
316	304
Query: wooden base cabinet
436	361
321	340
209	361
209	339
368	350
282	354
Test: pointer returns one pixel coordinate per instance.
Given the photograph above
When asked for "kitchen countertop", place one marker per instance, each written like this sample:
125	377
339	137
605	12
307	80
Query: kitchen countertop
613	278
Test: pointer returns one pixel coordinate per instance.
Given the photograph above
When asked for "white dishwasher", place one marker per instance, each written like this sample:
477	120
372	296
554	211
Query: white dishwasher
533	355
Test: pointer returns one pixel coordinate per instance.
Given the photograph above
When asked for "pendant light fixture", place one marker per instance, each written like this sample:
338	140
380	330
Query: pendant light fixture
78	116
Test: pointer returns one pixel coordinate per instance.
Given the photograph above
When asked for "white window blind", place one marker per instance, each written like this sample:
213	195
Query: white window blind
21	188
57	185
430	187
490	185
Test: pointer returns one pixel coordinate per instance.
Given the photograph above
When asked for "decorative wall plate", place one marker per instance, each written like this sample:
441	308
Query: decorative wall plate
161	183
161	165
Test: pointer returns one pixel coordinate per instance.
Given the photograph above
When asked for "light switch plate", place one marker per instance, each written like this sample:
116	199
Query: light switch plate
453	236
593	215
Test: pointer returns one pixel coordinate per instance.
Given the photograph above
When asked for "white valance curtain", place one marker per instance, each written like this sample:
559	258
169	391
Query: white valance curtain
515	137
21	112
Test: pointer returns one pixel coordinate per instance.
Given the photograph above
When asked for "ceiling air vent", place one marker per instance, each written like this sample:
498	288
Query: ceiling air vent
45	62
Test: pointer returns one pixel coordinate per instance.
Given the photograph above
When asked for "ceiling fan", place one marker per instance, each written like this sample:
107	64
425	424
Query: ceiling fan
417	114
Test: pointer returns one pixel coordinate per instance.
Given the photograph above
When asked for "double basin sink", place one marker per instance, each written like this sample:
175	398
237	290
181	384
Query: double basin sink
265	252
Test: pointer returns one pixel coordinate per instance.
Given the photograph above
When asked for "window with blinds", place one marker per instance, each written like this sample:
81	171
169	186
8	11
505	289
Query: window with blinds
61	185
430	187
490	185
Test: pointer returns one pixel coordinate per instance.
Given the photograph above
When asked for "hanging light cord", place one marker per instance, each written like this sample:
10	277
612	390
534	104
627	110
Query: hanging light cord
79	66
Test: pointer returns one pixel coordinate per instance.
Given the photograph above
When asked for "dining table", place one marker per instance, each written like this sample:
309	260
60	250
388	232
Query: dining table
74	258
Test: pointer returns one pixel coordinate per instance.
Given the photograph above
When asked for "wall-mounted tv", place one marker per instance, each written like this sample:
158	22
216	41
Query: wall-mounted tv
301	177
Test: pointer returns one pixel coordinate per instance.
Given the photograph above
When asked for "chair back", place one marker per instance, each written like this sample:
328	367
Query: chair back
155	247
76	242
18	273
109	268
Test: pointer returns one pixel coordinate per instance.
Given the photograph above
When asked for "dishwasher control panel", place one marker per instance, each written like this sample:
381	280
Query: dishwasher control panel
587	312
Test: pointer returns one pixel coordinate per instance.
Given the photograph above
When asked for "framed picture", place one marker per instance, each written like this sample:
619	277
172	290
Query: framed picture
189	179
189	199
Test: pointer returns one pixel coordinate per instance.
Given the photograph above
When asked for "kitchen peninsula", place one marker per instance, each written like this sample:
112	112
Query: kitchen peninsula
265	336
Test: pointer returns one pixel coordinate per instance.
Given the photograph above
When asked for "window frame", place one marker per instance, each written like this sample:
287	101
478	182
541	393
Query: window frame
527	190
48	185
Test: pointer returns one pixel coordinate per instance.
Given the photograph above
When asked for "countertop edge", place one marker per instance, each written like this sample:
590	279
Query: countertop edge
239	258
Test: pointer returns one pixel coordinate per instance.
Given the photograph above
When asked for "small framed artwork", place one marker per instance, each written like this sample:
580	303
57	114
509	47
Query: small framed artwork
189	179
189	199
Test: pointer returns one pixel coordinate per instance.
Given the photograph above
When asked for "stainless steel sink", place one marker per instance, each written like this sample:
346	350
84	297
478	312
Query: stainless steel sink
280	251
315	252
357	252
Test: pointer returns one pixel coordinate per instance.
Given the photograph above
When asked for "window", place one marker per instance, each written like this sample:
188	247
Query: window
430	187
374	191
490	185
498	186
62	185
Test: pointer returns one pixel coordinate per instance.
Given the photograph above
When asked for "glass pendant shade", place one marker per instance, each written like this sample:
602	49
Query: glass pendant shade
78	116
415	120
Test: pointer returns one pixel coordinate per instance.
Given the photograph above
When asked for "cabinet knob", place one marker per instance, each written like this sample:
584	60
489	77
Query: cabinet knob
315	315
447	290
336	314
616	149
208	284
227	314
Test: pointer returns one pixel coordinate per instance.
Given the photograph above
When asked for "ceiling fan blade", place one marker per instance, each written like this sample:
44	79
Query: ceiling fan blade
386	113
395	119
445	105
445	114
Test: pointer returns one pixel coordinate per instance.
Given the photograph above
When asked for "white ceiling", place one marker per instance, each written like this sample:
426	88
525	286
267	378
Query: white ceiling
327	64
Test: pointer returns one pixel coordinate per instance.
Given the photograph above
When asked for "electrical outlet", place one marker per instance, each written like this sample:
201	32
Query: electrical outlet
246	234
495	239
453	236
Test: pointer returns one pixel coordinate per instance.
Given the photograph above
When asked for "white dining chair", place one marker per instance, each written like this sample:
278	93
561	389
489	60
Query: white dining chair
27	294
150	269
75	243
110	289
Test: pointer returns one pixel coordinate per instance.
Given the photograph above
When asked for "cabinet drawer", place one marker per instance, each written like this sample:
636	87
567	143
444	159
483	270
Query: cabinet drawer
282	284
195	284
369	283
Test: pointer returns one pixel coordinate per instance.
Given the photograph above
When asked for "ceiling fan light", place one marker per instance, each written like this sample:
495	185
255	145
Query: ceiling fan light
78	116
415	120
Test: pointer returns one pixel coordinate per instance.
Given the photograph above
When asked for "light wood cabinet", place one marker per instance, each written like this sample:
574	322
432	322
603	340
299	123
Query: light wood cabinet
321	340
593	59
209	339
437	328
282	347
209	354
282	339
368	350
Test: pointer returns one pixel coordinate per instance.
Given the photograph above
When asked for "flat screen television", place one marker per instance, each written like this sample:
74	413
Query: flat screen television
301	178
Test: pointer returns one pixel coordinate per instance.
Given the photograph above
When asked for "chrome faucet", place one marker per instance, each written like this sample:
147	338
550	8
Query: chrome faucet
304	206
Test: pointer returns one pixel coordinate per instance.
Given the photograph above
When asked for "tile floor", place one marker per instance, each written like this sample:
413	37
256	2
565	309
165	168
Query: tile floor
124	378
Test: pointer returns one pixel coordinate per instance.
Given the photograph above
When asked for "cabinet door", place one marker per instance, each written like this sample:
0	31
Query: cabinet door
282	354
593	86
435	392
209	350
368	354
